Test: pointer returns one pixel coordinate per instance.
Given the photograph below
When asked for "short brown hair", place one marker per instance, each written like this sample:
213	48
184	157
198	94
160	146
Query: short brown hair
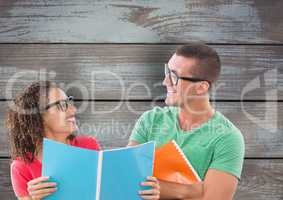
208	62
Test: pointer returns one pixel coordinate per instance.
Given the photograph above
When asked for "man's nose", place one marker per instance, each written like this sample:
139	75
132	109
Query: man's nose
166	81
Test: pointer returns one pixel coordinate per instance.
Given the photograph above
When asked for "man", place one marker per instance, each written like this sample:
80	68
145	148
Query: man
213	145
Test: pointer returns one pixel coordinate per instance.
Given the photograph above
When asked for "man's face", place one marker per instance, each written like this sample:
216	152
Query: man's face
182	93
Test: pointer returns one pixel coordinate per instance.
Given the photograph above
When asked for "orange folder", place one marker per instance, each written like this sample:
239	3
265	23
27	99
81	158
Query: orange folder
171	164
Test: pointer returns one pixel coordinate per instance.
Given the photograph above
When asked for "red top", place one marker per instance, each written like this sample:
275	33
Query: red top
22	173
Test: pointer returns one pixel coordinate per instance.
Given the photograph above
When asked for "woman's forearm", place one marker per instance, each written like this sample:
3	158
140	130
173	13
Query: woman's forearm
25	198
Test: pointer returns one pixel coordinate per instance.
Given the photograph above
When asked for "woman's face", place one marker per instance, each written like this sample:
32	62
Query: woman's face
59	122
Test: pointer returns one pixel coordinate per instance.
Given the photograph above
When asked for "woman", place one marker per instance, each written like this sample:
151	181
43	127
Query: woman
44	110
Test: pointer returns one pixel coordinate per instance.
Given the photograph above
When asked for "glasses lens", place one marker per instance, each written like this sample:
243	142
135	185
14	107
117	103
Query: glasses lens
63	105
168	73
166	69
174	78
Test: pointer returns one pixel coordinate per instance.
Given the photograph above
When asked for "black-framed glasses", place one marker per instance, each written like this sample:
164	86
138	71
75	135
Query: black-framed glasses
174	78
62	104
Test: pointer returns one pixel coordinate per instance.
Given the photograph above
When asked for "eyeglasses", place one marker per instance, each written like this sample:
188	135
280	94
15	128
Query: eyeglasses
62	104
174	78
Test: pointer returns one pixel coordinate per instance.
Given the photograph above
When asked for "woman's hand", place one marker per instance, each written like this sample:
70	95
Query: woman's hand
38	188
153	193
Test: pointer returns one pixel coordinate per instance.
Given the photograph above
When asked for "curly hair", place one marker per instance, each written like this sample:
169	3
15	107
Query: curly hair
24	120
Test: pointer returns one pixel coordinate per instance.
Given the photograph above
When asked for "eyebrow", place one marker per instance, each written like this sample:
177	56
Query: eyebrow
174	71
58	100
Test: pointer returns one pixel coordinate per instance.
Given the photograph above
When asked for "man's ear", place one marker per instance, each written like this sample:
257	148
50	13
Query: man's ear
202	88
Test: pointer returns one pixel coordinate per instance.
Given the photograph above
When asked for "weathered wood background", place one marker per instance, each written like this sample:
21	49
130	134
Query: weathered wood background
110	55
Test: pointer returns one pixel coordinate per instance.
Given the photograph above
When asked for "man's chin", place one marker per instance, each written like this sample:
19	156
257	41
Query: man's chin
170	102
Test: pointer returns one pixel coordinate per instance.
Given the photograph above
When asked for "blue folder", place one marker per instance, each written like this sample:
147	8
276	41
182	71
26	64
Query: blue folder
91	175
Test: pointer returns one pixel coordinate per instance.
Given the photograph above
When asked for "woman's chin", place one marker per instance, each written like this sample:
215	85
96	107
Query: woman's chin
73	127
70	130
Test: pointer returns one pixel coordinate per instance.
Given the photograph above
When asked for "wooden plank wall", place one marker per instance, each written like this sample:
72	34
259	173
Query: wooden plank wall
110	55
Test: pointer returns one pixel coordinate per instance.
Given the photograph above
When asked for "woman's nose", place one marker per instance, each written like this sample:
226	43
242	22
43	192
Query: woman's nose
72	109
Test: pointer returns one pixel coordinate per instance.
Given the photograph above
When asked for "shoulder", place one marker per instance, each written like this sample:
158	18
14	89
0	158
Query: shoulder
18	164
227	131
223	124
87	142
21	173
20	169
157	113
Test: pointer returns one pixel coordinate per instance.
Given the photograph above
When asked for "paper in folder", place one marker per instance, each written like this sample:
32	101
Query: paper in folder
83	174
171	164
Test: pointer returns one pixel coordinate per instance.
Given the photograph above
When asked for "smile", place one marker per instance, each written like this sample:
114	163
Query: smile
71	119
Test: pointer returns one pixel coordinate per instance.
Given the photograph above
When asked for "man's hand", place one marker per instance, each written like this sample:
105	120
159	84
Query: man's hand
217	185
151	194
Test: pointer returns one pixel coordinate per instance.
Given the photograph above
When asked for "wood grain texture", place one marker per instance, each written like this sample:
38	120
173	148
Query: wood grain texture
136	71
93	67
166	21
112	122
261	180
6	191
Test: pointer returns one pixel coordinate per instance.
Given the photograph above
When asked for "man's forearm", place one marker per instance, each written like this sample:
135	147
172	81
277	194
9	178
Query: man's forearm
169	190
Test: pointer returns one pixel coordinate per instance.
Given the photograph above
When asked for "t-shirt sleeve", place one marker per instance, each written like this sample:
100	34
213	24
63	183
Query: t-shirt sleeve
93	144
141	129
20	178
87	142
229	154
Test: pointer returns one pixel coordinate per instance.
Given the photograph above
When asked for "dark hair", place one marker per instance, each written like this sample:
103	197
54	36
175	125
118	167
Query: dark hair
208	62
24	120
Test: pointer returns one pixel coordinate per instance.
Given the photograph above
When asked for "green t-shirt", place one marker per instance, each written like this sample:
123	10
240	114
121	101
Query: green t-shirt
217	144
